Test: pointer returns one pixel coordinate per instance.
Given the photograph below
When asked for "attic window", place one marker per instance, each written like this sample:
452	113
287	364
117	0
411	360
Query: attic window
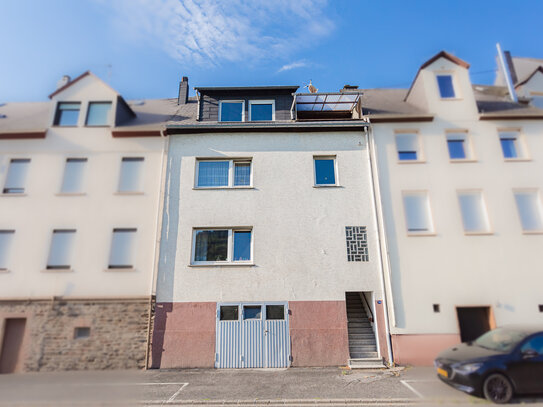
446	88
98	113
67	114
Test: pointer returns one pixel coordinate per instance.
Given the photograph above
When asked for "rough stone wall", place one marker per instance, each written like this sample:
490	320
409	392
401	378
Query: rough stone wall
117	340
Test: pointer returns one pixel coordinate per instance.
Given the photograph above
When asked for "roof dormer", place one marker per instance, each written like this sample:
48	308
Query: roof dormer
87	101
442	86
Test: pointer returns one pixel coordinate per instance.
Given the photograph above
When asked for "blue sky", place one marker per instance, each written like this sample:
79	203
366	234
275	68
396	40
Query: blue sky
143	47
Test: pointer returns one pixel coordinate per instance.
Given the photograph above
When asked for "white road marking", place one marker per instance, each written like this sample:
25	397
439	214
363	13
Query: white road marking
406	384
171	399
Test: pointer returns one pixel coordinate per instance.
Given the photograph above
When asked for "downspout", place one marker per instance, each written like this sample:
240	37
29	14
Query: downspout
381	236
160	211
198	110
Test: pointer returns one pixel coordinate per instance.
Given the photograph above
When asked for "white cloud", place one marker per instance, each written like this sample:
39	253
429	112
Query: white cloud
216	31
288	67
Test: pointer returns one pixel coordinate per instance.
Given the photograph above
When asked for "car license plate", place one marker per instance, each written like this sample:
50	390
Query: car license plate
442	372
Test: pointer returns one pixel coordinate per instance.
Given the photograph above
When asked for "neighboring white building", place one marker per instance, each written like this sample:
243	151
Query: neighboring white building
269	251
459	172
80	178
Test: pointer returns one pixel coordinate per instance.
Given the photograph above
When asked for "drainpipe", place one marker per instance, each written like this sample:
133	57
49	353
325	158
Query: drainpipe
160	211
381	236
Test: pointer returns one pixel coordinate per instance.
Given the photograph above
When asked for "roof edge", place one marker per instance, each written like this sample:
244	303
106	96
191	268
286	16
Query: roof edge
69	84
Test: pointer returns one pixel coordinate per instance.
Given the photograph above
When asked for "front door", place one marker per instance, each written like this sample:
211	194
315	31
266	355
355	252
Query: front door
252	335
10	354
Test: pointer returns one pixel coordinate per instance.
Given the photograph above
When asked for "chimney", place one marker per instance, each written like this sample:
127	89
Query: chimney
183	97
63	81
349	88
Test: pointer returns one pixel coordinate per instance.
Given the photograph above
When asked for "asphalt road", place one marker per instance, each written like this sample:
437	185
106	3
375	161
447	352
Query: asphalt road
271	387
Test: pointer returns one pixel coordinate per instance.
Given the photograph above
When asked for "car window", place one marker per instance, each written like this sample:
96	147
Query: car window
534	344
501	339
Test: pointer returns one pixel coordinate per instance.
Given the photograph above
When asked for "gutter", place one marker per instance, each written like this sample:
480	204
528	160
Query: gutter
384	262
246	127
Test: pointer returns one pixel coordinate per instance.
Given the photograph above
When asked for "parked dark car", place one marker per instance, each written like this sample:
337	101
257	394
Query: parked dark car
497	365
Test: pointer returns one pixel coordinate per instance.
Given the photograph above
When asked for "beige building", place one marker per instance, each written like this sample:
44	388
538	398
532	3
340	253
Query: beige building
458	168
80	179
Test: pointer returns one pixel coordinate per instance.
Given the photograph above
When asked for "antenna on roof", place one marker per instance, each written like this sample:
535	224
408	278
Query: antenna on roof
311	88
506	73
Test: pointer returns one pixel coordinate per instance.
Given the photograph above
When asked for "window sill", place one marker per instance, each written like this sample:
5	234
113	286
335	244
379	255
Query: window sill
13	194
462	160
122	269
532	232
416	234
57	270
411	161
450	99
129	193
517	159
71	194
223	265
215	188
327	186
479	233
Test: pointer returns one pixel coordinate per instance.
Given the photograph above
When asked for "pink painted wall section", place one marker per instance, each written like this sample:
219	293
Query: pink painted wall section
421	350
381	329
318	333
184	335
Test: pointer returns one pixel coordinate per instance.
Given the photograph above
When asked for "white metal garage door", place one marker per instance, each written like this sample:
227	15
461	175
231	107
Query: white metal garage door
252	335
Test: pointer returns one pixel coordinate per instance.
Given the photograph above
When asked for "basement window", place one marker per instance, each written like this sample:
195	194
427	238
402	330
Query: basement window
81	332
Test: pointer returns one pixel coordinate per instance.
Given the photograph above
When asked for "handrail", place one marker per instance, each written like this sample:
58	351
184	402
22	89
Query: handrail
368	305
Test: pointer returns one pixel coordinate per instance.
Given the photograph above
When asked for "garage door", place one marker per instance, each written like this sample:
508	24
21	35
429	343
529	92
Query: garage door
252	335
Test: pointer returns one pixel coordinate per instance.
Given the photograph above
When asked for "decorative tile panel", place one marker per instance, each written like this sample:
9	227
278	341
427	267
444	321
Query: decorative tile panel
357	243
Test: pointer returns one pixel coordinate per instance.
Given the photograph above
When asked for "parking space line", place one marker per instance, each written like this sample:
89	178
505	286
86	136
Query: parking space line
172	398
406	384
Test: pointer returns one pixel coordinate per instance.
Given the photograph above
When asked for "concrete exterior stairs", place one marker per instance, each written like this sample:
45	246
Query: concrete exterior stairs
362	344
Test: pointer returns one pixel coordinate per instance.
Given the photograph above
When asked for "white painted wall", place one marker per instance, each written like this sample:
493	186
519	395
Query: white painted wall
35	215
450	268
298	230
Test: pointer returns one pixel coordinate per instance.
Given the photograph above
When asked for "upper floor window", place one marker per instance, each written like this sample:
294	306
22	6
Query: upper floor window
529	210
131	179
15	180
512	146
325	171
98	113
216	246
474	216
122	248
446	87
458	145
60	253
407	145
72	182
67	114
261	110
6	239
232	111
223	173
417	212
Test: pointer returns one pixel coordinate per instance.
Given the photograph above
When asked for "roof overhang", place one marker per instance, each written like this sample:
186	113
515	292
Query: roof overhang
22	135
292	88
505	116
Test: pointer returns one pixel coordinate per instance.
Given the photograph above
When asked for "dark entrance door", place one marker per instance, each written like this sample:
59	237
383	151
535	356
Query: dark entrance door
473	322
11	345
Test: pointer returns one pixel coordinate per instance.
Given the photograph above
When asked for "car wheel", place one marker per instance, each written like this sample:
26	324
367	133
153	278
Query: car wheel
497	388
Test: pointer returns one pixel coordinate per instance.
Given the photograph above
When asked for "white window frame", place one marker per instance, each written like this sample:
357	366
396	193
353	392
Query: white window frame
232	101
420	150
230	250
81	189
231	173
262	102
455	86
4	268
487	230
67	251
520	144
537	194
430	218
114	267
468	146
141	180
336	175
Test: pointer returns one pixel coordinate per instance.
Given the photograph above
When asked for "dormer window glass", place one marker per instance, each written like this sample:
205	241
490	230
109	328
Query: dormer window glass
446	88
98	113
261	110
232	111
67	113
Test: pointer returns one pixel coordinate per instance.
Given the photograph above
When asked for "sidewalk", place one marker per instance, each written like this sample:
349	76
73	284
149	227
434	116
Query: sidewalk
273	387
